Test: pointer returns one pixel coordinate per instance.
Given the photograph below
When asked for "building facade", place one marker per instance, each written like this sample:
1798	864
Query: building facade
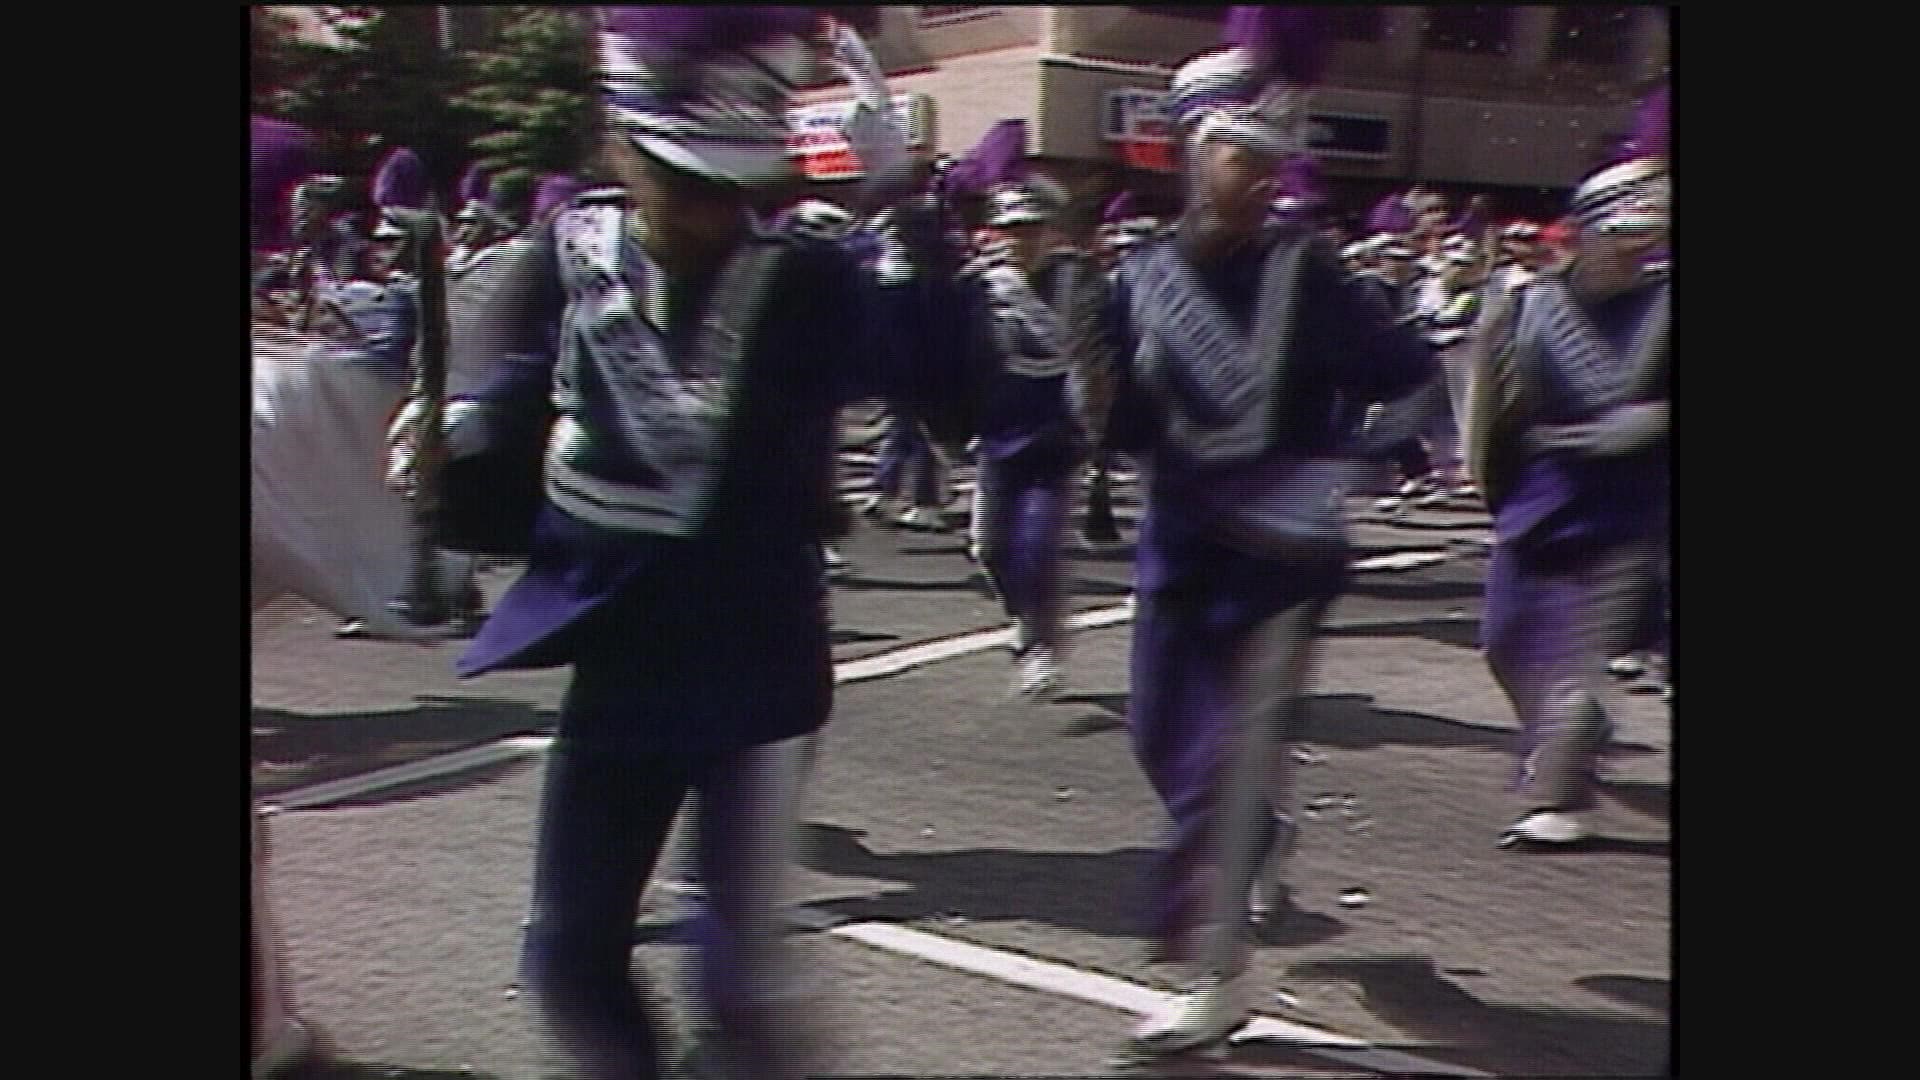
1519	100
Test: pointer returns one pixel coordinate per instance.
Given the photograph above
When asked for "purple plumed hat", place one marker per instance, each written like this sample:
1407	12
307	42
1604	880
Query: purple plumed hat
1252	91
997	167
1390	215
401	185
1632	192
280	155
555	191
705	89
475	195
1285	43
1122	224
998	157
1652	128
474	183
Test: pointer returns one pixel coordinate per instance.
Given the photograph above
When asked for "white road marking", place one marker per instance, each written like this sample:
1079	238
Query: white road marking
1064	981
879	666
1041	975
412	772
1400	560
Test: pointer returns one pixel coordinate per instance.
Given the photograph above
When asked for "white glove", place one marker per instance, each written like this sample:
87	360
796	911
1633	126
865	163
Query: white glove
879	144
876	140
1624	430
461	425
861	70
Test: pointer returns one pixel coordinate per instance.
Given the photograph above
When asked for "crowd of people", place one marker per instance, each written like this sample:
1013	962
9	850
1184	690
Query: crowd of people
676	363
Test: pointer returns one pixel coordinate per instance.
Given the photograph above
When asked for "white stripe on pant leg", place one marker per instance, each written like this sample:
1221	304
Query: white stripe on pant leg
776	773
1249	744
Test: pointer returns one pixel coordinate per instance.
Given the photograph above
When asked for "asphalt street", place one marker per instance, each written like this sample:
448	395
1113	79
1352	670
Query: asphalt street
945	807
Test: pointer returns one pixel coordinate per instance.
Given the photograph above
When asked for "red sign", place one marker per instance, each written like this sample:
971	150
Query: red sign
1156	156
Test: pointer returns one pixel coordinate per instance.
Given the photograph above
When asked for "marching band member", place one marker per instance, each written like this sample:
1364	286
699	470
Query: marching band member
1230	341
694	363
1028	442
823	221
1518	253
1122	229
1392	283
327	526
1570	437
1455	307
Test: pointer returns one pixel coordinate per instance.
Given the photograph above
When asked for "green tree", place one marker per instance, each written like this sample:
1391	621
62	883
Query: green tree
392	84
533	94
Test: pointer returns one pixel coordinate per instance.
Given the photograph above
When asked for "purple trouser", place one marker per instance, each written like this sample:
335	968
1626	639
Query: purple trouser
605	813
907	452
1217	683
1025	515
1552	623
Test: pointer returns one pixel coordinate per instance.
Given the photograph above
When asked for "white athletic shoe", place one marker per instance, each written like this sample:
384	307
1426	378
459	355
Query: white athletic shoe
919	520
1546	827
683	886
1630	666
1203	1017
871	506
1036	679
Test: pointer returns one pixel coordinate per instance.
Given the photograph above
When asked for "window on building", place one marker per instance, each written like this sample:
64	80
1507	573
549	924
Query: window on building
1357	23
1213	13
1469	29
1591	35
941	16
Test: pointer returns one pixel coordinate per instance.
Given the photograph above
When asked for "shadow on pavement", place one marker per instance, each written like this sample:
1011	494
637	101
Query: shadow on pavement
1087	586
1111	714
957	547
1504	1039
1123	553
858	583
1067	890
860	637
1384	587
1352	722
1460	633
1598	845
386	1072
293	750
1651	800
1655	994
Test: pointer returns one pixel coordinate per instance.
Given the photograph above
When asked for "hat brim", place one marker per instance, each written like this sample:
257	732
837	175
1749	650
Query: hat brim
717	162
1015	218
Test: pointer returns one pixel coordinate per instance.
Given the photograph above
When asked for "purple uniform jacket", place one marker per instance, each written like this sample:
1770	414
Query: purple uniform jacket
1345	347
720	638
1564	502
1023	419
